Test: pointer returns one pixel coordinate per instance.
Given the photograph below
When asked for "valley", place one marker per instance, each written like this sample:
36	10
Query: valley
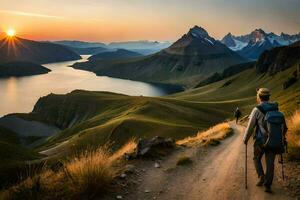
103	106
195	55
63	79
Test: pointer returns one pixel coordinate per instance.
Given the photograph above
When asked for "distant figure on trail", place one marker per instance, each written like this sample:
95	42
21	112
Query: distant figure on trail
237	114
269	137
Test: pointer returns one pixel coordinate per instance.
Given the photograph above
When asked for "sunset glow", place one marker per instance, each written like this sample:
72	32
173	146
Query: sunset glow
10	32
124	20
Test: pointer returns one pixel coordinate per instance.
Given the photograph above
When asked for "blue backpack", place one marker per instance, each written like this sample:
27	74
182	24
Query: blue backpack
274	125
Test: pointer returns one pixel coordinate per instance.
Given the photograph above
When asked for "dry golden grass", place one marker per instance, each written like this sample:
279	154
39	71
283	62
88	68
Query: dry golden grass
90	172
294	129
293	136
128	148
84	176
210	137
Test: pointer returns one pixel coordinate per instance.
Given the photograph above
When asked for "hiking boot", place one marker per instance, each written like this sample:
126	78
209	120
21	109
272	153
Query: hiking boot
268	189
261	181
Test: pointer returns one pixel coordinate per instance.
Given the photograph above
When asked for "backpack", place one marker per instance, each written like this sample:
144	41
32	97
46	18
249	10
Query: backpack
273	124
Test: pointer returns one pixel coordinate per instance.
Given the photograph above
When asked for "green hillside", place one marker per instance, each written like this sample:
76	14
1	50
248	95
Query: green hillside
98	117
13	156
90	119
94	118
240	90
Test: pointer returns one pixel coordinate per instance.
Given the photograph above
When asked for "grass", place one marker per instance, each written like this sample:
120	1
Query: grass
90	172
242	92
293	136
212	136
99	117
95	118
84	176
184	160
13	157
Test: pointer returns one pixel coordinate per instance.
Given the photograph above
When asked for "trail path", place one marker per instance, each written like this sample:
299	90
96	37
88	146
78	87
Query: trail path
216	173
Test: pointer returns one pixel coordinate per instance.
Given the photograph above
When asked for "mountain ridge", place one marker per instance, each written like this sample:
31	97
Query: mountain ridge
19	49
195	55
253	44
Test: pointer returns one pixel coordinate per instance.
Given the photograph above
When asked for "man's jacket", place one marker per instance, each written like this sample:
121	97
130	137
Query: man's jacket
256	123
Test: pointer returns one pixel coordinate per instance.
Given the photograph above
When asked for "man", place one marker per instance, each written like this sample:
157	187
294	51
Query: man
256	124
237	115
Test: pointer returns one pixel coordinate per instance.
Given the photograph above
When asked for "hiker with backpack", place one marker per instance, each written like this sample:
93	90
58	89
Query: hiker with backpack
237	115
269	128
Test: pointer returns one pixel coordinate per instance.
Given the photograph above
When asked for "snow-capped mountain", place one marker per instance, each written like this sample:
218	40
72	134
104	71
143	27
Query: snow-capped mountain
253	44
233	42
197	42
192	58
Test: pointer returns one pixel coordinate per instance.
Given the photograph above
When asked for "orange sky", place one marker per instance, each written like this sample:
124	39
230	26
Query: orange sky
121	20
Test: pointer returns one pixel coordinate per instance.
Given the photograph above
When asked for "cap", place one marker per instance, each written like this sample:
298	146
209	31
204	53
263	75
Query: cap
263	92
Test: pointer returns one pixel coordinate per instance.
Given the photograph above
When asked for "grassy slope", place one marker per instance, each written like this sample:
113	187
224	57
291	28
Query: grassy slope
241	92
118	118
11	149
102	116
162	67
13	156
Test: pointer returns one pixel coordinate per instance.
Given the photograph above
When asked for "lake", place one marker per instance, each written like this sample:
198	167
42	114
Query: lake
19	95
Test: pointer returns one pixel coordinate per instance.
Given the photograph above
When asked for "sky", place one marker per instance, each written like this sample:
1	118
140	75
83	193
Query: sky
127	20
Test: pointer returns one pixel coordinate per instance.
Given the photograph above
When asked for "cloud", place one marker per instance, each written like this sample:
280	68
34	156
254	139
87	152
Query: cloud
29	14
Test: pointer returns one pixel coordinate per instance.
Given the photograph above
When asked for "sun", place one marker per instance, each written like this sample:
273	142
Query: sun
10	32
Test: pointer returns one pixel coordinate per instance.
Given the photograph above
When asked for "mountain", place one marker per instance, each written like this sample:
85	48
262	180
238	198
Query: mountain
144	47
84	48
193	57
88	50
278	59
253	44
80	44
258	43
143	44
19	68
119	54
233	43
270	61
18	49
228	72
89	119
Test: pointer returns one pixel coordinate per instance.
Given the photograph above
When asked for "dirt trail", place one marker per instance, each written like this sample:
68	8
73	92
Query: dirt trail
216	173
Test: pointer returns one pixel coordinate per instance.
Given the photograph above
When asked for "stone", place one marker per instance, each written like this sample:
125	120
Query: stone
123	175
157	165
148	147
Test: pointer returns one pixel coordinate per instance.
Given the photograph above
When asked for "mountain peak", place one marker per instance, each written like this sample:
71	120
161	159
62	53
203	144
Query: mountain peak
229	34
228	40
197	31
258	35
259	30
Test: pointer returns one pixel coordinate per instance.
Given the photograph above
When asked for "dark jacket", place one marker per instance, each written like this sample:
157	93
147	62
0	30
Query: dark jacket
255	124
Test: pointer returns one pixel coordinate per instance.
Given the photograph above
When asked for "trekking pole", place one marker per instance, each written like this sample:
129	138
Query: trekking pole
246	186
282	170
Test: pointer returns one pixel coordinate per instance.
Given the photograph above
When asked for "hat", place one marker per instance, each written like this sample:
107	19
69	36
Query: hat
263	92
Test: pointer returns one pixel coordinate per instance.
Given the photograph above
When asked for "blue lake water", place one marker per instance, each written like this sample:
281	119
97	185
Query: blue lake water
18	95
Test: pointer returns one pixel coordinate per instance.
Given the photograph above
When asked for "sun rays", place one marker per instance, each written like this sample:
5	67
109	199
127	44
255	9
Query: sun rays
11	33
